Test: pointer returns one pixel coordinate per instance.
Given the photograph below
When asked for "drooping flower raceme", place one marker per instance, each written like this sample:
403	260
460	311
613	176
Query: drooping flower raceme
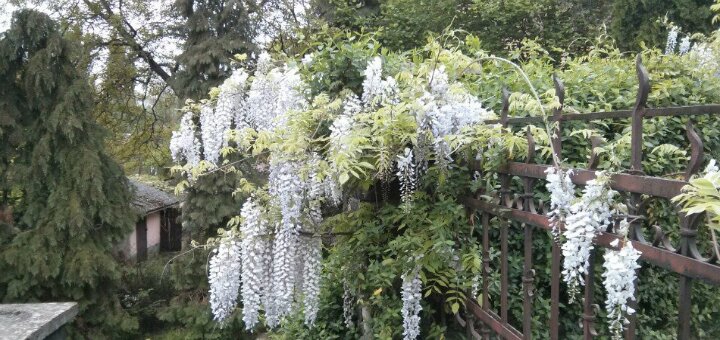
255	250
588	216
184	144
684	45
287	190
406	175
214	124
224	277
619	281
271	96
230	103
671	40
348	306
411	297
312	269
562	195
445	109
377	91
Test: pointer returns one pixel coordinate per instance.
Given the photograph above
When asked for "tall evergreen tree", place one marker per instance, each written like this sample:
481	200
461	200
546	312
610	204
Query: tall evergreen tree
214	31
73	199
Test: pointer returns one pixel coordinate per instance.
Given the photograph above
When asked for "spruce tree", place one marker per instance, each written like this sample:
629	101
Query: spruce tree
214	31
73	200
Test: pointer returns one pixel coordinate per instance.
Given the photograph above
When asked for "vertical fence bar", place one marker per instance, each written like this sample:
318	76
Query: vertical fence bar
528	273
469	317
688	242
588	317
556	141
635	232
505	224
486	271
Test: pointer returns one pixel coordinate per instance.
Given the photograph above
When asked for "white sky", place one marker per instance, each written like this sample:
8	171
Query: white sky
6	10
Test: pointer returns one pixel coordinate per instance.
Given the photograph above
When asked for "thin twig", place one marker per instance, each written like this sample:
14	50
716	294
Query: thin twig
175	257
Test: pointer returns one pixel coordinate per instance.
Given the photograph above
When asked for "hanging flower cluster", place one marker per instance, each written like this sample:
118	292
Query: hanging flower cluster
619	281
272	279
702	52
671	40
406	174
588	216
279	250
184	145
255	253
411	297
224	277
348	306
562	195
312	267
444	110
377	91
259	103
584	219
288	193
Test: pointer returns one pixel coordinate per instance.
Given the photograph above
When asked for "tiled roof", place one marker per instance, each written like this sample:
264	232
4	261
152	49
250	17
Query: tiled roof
148	198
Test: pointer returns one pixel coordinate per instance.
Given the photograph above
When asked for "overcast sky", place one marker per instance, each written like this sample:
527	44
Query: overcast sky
6	10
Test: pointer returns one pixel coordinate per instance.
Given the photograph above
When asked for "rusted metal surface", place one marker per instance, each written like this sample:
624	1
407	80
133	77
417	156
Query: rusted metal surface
683	259
646	185
501	328
670	260
528	277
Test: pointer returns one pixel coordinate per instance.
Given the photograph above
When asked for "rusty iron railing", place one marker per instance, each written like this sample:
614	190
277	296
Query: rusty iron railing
685	259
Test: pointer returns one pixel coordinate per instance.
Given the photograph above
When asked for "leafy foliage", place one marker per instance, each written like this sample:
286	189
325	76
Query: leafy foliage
72	200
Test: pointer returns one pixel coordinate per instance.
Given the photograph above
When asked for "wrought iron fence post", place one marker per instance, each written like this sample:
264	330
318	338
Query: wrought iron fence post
505	200
528	272
556	140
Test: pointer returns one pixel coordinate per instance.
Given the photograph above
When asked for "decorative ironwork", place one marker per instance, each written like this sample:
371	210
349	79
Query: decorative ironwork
685	259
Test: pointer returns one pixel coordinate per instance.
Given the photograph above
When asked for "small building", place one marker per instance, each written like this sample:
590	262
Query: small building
157	228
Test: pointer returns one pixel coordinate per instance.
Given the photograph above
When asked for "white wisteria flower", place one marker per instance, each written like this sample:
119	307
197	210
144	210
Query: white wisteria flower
348	306
312	269
377	91
287	191
411	296
588	216
619	281
224	277
684	45
214	124
562	195
671	40
255	250
406	175
445	109
184	144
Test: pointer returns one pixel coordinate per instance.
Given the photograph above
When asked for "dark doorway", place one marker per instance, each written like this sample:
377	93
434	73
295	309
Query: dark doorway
141	239
170	231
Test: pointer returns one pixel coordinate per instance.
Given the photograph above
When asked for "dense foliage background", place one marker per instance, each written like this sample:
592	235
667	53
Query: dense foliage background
103	83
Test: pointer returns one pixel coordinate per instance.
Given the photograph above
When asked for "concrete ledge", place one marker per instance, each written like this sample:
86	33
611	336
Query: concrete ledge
34	320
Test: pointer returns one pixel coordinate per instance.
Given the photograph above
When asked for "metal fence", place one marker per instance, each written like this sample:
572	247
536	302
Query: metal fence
682	258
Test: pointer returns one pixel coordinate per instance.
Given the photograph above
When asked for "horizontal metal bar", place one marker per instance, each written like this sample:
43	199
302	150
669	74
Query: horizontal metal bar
620	114
664	258
654	186
504	330
682	110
